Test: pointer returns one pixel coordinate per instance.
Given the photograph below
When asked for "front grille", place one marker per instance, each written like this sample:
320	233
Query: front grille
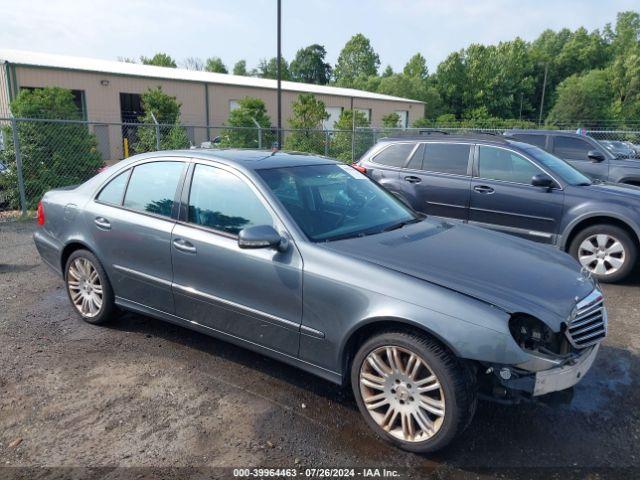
589	325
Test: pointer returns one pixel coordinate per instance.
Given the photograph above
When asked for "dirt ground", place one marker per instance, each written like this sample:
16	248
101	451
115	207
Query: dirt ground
143	393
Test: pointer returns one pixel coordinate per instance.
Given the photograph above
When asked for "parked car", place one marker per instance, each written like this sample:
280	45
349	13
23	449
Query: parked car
310	262
618	149
583	152
634	147
517	188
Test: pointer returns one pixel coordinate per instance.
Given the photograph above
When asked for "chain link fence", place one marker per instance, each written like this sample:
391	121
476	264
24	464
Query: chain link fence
37	155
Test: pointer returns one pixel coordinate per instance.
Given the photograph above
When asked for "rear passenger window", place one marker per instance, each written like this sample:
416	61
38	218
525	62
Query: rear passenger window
571	148
152	187
416	159
446	158
537	140
394	155
114	190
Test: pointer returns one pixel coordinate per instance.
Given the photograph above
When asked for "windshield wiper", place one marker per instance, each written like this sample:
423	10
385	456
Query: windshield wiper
398	225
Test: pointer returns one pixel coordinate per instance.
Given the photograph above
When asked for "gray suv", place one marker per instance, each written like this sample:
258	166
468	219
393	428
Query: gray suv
310	262
515	188
585	153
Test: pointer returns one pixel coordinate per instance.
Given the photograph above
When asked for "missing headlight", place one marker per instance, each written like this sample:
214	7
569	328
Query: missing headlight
534	335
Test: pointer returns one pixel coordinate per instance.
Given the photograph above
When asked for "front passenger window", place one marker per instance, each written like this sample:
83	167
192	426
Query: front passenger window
500	164
222	201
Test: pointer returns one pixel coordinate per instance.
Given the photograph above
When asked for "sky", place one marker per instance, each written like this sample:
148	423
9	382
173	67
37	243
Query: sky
246	29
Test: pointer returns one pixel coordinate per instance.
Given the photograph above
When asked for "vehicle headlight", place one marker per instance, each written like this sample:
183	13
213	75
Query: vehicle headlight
534	335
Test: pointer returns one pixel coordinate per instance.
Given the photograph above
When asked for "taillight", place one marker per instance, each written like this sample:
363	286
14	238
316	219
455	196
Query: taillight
40	214
360	168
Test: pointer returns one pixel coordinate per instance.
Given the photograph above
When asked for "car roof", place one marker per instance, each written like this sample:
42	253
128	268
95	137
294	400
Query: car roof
248	158
545	132
450	137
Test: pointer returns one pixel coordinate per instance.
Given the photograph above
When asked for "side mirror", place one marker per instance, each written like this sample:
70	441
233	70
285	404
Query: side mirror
595	156
262	236
542	180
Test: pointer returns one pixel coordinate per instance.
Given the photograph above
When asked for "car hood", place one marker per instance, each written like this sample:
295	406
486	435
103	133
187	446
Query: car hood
511	273
608	188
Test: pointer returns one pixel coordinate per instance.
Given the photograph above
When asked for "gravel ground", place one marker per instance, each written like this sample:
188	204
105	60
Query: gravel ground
143	393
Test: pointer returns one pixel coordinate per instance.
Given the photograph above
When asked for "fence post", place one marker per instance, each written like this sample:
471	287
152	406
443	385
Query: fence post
326	143
157	131
16	146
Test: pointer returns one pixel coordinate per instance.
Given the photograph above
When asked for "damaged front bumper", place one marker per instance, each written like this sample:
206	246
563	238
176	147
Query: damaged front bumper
513	384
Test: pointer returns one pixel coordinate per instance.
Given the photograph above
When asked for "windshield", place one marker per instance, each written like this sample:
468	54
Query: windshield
333	202
557	166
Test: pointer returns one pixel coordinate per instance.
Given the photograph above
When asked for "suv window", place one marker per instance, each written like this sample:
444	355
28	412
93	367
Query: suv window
571	148
446	158
499	164
395	155
220	200
114	190
152	187
537	140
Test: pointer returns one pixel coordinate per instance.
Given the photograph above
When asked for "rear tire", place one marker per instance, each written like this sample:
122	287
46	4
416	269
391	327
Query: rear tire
607	251
418	407
88	287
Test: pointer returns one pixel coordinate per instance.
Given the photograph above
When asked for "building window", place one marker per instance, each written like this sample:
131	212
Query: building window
334	116
130	107
233	105
78	100
404	118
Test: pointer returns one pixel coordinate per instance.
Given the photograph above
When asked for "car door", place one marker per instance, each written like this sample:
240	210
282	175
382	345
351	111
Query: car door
253	294
440	175
502	197
386	167
131	221
574	150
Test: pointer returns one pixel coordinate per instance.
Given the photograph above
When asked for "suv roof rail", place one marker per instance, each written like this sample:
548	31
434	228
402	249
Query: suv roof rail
487	136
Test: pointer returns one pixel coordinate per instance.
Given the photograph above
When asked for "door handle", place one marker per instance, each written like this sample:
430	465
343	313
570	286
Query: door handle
412	179
484	189
184	246
102	223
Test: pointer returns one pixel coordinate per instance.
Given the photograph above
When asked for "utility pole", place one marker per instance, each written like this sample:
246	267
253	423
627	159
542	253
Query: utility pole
544	87
279	74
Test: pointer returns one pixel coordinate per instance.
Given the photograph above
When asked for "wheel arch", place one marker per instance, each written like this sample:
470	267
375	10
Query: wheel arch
372	326
605	218
70	247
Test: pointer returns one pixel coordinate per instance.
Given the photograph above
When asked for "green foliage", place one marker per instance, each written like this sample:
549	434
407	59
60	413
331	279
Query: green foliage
309	66
416	67
583	100
388	71
159	60
357	61
341	147
308	115
240	68
167	112
245	134
391	120
53	154
215	64
269	69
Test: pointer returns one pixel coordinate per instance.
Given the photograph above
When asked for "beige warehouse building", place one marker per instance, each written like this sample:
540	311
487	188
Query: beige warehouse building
108	92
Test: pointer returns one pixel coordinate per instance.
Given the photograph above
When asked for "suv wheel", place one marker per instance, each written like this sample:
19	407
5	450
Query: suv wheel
411	391
88	287
607	251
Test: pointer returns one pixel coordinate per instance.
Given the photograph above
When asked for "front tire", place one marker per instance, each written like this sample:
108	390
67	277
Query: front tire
607	251
88	287
411	391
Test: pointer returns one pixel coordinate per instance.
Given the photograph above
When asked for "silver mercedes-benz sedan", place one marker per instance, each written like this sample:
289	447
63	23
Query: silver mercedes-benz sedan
309	261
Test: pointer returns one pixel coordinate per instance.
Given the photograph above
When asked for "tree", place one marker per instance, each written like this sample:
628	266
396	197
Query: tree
583	100
309	66
240	68
244	133
388	71
215	64
308	115
193	63
356	61
341	147
159	60
391	120
268	69
53	154
166	110
416	67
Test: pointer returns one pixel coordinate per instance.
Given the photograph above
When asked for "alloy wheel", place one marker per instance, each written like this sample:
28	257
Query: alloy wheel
601	254
402	394
84	287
